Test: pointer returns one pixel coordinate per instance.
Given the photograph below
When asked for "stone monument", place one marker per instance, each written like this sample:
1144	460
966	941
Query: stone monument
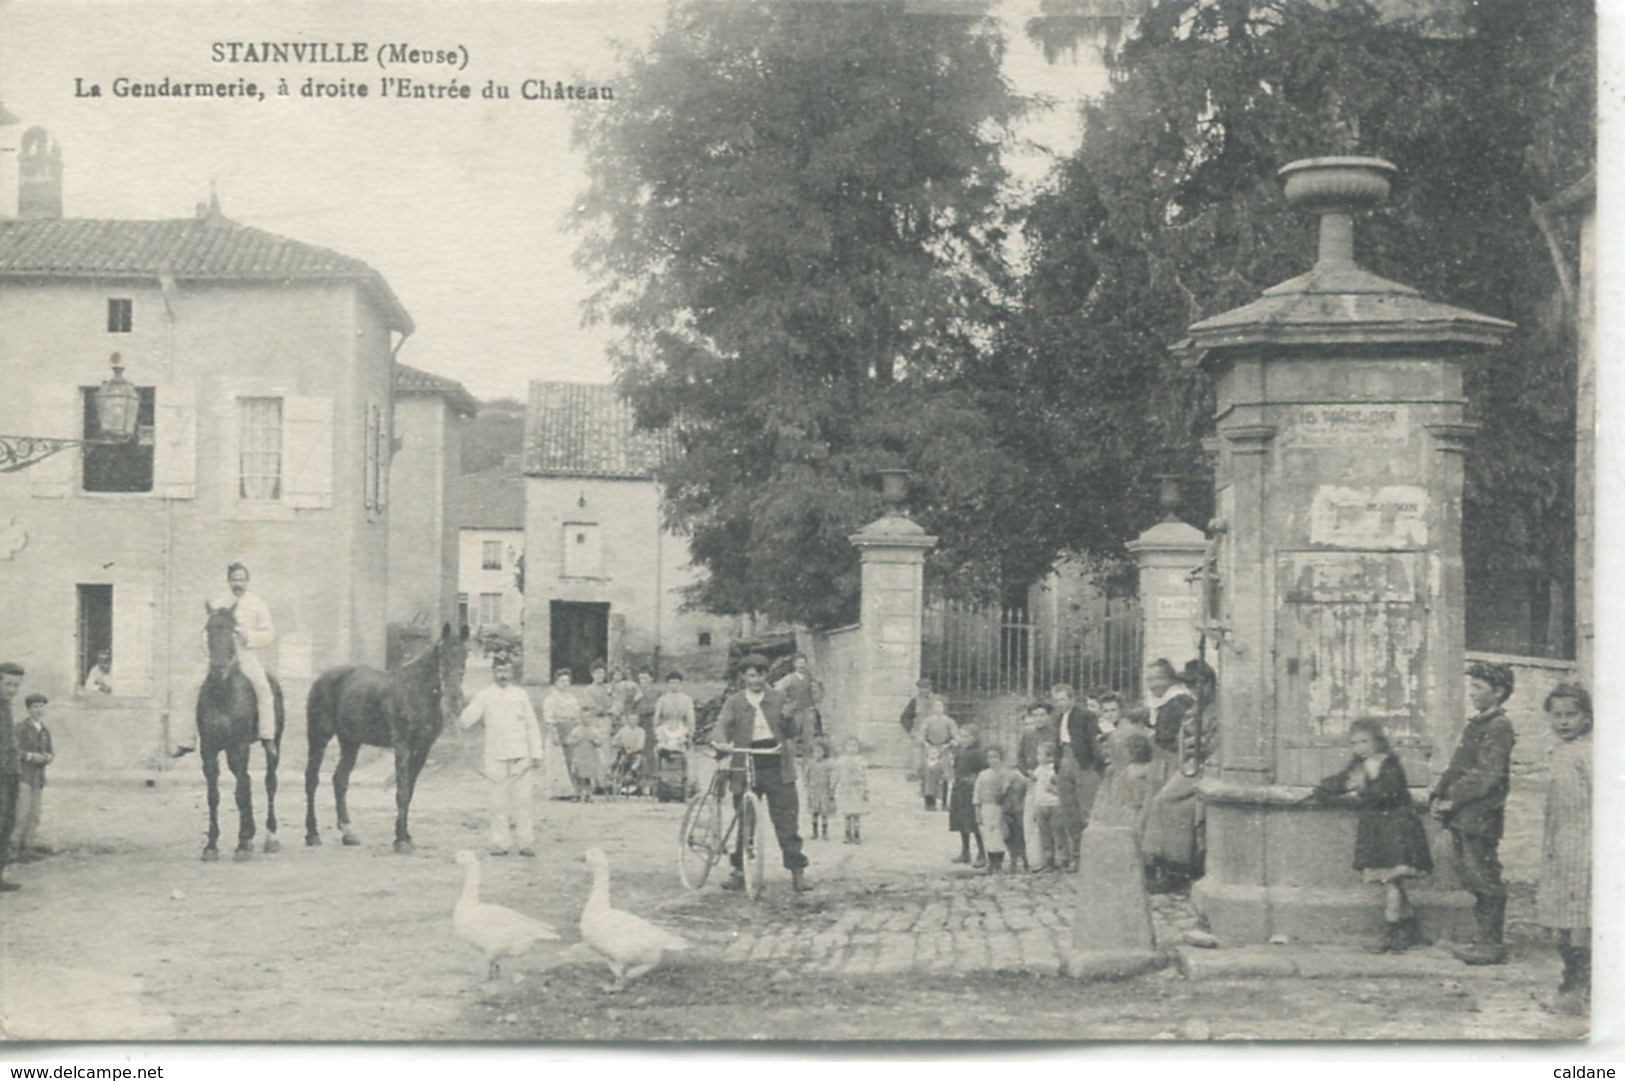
1341	436
892	550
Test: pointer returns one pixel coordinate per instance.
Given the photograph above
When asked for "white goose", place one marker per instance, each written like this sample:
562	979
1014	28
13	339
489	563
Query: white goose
497	931
631	944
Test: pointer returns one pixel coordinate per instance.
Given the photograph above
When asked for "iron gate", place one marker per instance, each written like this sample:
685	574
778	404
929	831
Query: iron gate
985	659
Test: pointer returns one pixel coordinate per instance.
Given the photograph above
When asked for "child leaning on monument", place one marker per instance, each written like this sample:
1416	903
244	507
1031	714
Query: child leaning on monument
1470	800
1390	846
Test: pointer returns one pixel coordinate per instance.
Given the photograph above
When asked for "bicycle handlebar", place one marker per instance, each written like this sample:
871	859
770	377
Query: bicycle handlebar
726	748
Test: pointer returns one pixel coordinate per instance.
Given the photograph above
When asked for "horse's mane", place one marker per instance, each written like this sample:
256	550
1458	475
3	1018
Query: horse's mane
425	667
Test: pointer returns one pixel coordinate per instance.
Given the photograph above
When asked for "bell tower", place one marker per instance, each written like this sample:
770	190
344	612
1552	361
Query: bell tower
39	176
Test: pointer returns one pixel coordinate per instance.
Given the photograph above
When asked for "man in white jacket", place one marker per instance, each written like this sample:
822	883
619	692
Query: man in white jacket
513	746
255	633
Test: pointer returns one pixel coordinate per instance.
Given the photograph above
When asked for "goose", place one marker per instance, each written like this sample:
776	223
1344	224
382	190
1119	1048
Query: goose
631	944
496	931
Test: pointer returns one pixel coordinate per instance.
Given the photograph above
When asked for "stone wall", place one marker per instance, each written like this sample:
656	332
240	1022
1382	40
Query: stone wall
836	659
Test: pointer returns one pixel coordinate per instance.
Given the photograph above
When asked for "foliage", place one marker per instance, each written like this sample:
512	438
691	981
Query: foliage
1171	211
495	432
793	220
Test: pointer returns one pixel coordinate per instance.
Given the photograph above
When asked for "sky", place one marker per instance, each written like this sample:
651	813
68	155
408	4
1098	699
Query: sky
461	205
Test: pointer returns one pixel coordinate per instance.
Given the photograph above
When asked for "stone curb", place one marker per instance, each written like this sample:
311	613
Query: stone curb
1111	964
1317	962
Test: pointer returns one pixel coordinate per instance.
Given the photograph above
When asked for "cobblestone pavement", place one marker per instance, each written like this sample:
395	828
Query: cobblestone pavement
898	903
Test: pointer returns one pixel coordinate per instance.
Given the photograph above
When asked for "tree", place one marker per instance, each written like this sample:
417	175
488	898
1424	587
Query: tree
1171	211
793	219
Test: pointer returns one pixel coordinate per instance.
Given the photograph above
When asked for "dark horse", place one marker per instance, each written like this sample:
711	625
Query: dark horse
225	722
404	709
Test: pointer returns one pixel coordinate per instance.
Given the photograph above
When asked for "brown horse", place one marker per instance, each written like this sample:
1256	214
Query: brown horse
225	722
404	709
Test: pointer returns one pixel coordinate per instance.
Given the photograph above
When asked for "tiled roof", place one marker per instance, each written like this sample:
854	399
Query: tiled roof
490	499
410	380
586	430
209	247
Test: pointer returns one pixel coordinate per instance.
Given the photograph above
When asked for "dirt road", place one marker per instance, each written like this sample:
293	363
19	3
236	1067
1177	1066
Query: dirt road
126	935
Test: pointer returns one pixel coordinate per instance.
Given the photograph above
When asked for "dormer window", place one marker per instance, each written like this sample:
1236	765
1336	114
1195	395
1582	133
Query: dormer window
120	315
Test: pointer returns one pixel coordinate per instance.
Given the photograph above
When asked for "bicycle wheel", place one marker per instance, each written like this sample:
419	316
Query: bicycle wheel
700	841
750	830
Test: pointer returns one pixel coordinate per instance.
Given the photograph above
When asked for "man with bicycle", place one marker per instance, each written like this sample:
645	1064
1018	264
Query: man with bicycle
761	717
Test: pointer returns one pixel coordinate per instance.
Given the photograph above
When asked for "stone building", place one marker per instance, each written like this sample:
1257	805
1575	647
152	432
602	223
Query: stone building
423	540
264	370
490	512
603	576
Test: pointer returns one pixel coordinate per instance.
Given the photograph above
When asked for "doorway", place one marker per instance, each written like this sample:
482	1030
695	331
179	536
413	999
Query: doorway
95	626
579	632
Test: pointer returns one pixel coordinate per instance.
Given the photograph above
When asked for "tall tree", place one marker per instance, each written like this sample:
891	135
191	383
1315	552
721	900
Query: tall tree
1171	211
794	221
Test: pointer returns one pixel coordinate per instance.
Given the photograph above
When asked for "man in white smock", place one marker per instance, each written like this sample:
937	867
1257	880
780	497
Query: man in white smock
255	634
513	747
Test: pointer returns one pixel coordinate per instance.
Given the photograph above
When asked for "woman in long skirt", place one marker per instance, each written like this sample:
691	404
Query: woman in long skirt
560	711
970	759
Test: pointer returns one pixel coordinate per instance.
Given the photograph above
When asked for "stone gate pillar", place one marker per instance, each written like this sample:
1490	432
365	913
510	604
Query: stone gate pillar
1167	553
1338	500
892	549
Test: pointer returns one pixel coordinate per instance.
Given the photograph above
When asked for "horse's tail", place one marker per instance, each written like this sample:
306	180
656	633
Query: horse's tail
322	708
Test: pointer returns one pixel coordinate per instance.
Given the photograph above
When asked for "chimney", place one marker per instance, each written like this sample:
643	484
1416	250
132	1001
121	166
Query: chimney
39	177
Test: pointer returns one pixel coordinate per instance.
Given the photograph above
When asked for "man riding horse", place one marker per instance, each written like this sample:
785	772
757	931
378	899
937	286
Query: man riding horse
255	632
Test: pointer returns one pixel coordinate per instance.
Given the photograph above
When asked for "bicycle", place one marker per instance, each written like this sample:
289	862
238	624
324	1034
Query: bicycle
703	840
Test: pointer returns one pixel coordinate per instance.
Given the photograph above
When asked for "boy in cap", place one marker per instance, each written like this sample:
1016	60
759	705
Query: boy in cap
1470	800
34	753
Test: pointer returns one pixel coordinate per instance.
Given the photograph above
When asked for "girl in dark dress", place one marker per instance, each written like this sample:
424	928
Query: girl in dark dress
1390	846
969	760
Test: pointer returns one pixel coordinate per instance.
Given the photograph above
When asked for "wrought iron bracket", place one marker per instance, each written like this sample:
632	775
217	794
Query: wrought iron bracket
18	452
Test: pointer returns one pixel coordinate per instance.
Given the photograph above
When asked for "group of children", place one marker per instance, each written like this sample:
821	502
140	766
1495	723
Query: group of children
991	798
1469	800
836	786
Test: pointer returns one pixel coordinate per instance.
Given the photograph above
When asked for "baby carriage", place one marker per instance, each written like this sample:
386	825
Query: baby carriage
671	776
626	775
671	764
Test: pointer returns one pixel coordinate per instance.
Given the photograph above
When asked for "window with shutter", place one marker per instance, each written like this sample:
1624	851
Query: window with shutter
132	637
307	427
118	467
54	412
369	458
385	452
174	468
259	449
